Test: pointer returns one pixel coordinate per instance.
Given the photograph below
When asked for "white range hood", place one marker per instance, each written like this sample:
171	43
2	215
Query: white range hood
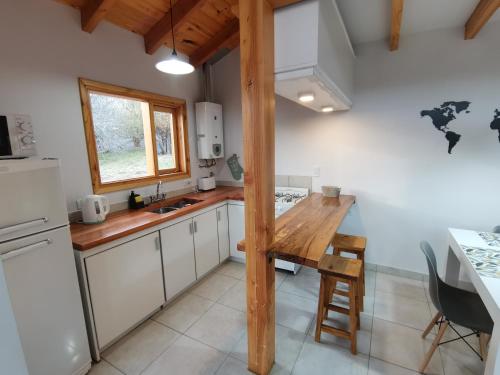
313	55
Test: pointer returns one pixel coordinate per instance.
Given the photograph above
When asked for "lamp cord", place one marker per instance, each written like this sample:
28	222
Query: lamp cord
172	25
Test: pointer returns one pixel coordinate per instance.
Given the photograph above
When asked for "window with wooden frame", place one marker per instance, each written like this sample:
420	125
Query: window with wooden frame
134	138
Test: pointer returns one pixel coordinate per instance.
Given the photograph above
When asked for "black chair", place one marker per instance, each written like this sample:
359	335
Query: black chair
454	306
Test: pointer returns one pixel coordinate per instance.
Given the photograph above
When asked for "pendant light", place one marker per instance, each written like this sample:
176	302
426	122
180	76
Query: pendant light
173	64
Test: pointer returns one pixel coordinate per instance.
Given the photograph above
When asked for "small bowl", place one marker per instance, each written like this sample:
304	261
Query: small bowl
331	191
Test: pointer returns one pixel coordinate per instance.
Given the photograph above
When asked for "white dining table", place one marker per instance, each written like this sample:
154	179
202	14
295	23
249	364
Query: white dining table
478	254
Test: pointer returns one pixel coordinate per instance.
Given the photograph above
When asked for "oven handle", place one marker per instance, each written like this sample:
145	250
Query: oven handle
26	225
25	249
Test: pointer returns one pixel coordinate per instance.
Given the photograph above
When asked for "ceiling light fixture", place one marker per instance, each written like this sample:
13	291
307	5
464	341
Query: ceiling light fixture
327	109
306	97
174	64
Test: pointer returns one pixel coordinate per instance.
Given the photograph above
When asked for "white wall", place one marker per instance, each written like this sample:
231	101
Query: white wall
408	188
44	51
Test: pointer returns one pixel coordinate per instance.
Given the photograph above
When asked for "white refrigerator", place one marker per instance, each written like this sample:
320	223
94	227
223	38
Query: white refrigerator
39	268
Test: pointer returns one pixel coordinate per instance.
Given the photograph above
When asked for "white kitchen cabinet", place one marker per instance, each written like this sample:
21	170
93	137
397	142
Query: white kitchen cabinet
126	285
236	215
178	257
206	242
223	232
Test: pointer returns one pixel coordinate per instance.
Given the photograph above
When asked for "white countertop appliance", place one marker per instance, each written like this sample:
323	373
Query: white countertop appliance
40	272
206	183
285	198
95	208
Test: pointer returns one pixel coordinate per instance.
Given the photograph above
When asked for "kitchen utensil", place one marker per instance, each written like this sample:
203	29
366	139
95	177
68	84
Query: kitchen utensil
330	191
206	183
94	209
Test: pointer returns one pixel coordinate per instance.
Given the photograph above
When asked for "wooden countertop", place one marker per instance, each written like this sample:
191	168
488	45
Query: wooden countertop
304	232
123	223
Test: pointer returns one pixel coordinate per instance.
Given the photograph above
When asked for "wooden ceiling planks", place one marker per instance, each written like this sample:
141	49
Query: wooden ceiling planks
228	37
137	16
174	19
93	12
201	26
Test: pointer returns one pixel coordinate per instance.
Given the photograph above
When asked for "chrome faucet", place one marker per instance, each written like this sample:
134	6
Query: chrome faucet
158	185
159	196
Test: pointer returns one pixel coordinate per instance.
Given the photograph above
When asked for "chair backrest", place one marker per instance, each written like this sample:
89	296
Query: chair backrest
434	280
496	229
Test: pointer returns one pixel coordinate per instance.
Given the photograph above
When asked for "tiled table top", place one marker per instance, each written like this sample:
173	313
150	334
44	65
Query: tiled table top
484	254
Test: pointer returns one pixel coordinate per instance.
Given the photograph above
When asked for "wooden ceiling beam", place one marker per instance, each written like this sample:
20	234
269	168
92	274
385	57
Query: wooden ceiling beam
228	37
162	30
93	12
482	13
396	20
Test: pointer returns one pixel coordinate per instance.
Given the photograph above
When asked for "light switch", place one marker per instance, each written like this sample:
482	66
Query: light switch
316	171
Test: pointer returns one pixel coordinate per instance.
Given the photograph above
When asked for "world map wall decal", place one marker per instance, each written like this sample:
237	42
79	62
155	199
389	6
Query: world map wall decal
495	124
443	115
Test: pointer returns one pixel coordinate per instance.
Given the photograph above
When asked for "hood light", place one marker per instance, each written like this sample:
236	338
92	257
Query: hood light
306	97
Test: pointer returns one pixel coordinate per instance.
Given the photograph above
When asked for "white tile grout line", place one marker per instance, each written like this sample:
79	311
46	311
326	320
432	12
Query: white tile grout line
390	363
227	354
116	368
159	355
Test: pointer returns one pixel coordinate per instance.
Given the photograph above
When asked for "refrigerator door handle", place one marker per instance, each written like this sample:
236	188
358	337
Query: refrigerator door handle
27	224
25	249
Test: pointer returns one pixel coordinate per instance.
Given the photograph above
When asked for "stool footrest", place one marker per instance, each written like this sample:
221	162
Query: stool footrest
335	331
341	310
341	292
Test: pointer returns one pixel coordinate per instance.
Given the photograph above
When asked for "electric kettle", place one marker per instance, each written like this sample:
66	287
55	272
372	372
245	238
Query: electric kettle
94	209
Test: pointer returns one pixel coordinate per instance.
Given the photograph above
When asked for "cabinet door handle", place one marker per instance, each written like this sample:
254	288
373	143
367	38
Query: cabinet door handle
190	228
157	243
195	227
218	215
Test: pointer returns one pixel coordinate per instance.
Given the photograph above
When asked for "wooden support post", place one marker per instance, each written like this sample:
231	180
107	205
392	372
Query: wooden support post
257	89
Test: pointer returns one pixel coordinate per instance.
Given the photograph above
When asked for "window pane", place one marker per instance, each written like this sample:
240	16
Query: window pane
165	140
119	134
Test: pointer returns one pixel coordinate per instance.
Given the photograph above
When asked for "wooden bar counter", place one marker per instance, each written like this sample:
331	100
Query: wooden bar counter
303	233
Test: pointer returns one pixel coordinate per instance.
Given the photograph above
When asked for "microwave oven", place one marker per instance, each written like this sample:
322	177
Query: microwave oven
16	137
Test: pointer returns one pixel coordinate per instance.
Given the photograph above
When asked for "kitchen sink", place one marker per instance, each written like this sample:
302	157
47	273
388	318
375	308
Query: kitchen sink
176	205
184	202
164	210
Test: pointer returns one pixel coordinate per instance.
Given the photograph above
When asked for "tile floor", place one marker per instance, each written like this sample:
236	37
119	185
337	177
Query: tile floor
204	332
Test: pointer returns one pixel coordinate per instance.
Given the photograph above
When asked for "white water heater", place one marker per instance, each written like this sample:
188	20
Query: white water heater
209	130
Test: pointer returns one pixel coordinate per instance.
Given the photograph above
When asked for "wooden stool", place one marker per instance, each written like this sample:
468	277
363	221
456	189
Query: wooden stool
343	243
335	269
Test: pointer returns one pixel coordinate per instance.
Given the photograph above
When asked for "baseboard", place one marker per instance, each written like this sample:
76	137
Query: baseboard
397	272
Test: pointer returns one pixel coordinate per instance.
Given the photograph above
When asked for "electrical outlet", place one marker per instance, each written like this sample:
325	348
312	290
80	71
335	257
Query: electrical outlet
316	171
79	204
